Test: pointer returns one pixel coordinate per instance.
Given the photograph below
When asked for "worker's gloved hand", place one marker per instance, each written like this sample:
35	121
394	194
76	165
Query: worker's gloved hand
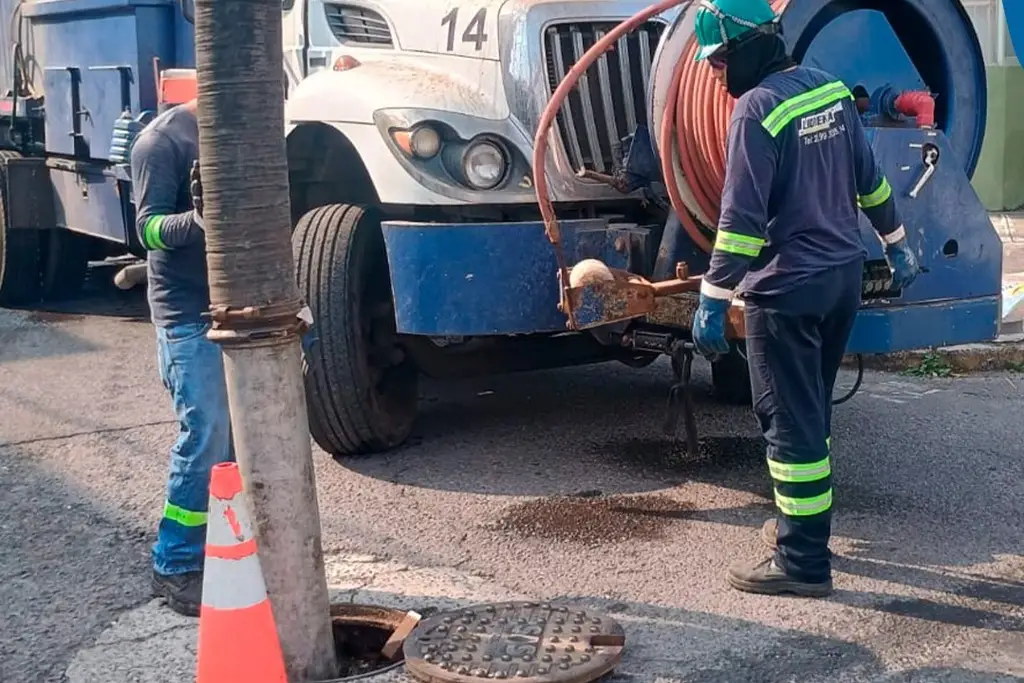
903	263
709	327
195	188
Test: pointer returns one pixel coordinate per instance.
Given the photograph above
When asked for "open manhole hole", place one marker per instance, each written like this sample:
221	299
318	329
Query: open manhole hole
363	638
523	641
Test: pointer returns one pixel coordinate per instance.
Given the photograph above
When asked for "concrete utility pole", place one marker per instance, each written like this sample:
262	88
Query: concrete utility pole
256	310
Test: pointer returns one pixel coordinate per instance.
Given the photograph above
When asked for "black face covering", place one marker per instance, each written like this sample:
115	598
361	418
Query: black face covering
751	61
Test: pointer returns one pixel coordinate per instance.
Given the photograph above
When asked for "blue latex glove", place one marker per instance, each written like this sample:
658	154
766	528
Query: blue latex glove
903	263
308	339
709	327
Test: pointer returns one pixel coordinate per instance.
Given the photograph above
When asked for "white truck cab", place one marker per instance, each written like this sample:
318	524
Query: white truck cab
418	244
478	73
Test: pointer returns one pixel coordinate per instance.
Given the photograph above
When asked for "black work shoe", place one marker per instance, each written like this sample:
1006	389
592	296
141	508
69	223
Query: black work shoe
770	533
183	592
767	578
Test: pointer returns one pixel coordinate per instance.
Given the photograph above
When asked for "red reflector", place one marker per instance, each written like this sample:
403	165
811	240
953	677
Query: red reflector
345	62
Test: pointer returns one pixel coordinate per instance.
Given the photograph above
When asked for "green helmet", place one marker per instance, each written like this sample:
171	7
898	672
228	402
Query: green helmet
719	21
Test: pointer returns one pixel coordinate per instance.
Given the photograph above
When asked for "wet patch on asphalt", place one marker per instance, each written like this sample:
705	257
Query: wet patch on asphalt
670	456
594	519
53	317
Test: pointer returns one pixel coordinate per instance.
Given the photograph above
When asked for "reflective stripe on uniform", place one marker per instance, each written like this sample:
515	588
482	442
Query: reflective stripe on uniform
182	516
876	198
715	292
787	110
803	507
151	233
802	473
828	443
735	243
895	236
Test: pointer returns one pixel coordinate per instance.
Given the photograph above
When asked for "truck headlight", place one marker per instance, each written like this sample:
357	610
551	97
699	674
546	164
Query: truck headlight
425	142
484	165
422	142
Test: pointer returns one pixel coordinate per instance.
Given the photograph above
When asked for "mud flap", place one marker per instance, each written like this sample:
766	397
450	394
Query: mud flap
28	179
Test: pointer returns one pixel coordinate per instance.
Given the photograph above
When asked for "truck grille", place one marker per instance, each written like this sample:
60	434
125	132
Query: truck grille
609	102
351	24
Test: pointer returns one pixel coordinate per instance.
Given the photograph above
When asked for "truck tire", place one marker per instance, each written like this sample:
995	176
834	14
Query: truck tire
361	388
64	260
20	283
730	378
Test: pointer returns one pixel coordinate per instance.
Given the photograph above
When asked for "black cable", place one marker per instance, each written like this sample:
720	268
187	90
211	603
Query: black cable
835	402
856	384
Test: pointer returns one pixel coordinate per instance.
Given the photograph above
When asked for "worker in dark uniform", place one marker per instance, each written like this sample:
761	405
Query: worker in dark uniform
170	225
798	167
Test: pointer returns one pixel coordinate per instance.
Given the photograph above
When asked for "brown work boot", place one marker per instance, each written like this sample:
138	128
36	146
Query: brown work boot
770	532
183	592
767	578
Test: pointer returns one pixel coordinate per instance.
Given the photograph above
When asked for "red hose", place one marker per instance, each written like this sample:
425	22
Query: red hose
547	118
696	120
919	104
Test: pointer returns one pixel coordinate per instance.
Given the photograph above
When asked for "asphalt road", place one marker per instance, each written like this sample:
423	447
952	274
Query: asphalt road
929	530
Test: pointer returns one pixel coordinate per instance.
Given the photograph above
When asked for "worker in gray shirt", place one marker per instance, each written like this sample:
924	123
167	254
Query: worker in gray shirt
170	225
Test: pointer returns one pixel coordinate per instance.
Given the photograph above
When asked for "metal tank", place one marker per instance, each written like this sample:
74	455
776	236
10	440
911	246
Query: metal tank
77	74
92	59
884	48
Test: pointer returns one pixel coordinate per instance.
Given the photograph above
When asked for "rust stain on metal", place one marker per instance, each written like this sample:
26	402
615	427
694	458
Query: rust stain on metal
521	640
678	311
600	303
671	303
594	520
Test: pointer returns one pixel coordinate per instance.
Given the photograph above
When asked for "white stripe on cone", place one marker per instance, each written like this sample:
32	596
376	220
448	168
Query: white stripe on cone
231	583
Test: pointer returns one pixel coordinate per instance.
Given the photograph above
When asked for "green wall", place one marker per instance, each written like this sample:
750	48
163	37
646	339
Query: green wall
999	178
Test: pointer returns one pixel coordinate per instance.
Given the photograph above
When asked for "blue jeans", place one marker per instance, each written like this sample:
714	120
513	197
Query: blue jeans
192	370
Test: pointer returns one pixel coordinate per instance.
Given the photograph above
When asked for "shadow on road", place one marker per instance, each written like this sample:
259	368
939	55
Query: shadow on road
67	569
99	297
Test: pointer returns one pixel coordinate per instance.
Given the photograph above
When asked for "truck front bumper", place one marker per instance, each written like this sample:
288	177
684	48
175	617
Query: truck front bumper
482	279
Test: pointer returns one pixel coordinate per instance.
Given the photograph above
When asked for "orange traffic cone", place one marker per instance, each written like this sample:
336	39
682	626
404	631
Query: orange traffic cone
237	635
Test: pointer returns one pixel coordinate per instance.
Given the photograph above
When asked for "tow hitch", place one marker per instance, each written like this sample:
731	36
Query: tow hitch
680	408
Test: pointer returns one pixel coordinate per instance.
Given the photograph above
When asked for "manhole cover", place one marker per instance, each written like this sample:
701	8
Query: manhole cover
515	640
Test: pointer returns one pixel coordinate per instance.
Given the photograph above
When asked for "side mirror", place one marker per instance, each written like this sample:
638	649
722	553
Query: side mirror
188	10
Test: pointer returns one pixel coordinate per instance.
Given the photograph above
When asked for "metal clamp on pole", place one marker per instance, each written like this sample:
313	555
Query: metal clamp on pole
254	324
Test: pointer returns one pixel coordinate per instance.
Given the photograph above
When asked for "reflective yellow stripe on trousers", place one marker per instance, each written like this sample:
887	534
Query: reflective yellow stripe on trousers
800	474
803	507
182	516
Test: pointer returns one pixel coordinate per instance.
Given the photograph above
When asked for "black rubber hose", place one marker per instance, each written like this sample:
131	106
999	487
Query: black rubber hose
856	385
850	394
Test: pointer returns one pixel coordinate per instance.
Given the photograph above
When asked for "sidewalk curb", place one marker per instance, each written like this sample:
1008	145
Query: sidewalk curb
1009	226
1005	353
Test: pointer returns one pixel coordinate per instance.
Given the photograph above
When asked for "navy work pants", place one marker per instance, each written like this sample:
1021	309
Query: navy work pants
795	344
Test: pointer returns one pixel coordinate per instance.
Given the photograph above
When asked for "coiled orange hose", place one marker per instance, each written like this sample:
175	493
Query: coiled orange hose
696	120
694	131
